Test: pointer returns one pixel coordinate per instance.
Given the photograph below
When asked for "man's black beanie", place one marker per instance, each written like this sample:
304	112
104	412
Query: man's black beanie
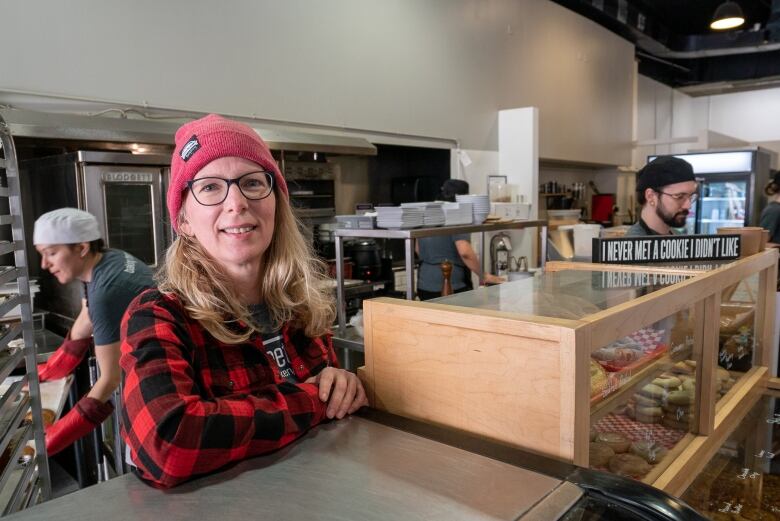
662	171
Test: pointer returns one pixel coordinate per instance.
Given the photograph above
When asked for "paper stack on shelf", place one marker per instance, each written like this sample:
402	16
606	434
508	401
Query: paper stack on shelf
458	214
481	206
433	212
398	217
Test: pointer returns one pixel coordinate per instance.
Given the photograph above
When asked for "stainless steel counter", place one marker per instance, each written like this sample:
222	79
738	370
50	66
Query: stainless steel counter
353	469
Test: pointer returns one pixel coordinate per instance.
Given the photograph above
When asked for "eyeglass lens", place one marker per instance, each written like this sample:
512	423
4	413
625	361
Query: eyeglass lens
213	190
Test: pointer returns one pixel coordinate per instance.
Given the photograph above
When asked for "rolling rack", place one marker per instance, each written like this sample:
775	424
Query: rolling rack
27	483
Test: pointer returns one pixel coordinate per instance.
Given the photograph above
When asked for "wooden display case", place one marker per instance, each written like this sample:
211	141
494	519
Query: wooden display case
513	362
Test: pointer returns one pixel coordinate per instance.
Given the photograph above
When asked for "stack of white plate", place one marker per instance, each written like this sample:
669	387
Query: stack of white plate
433	213
481	207
458	214
399	218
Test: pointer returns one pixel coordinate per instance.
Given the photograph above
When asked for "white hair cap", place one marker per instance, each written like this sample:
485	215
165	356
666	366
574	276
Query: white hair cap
65	226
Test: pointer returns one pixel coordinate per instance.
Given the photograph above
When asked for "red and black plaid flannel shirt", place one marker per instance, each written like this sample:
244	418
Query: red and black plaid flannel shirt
192	404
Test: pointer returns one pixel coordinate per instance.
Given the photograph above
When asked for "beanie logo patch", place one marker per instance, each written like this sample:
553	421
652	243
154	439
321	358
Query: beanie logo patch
189	148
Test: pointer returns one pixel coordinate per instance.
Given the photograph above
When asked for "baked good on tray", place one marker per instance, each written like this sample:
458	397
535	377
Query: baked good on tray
599	454
616	441
629	465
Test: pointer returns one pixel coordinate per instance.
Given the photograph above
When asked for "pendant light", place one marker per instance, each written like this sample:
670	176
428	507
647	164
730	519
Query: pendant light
728	15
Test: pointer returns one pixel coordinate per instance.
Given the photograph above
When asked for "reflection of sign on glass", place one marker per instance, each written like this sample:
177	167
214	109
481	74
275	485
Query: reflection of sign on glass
729	508
664	248
617	279
745	474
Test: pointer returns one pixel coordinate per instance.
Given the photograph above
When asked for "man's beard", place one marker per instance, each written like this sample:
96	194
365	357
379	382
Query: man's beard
676	220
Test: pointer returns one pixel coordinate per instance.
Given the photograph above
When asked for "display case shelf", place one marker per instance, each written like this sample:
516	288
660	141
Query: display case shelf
633	381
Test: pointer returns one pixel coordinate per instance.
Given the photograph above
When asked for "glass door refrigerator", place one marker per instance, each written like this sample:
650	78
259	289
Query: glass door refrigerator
731	188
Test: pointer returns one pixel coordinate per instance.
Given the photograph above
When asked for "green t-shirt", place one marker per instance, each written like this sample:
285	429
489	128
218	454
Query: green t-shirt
116	280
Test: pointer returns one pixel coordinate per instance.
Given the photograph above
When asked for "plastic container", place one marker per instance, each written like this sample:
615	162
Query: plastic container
564	215
583	238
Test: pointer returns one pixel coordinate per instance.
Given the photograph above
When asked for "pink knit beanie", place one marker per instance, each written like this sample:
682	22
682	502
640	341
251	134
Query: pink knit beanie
200	142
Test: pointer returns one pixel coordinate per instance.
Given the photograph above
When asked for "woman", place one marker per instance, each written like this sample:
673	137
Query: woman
770	215
457	249
71	248
232	356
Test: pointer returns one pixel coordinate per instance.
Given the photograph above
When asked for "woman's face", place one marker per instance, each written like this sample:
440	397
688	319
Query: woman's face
238	231
64	261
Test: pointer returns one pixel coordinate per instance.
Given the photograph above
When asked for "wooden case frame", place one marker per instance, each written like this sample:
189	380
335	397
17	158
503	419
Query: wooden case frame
524	380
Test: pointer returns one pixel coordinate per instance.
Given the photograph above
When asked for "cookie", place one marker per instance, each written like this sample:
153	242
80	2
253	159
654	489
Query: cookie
599	454
616	441
629	465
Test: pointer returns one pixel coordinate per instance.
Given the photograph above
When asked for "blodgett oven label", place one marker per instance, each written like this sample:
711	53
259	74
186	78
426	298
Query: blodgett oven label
666	248
127	177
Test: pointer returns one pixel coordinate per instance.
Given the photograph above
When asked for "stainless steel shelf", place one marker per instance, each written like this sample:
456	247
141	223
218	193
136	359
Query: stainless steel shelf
11	421
13	331
10	396
23	489
9	361
6	219
3	190
349	339
8	273
10	246
9	303
21	436
418	233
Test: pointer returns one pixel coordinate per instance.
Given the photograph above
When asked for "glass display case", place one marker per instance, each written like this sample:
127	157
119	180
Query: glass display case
608	367
741	480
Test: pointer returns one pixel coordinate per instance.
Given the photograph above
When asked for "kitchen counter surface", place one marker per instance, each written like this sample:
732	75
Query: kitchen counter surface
350	469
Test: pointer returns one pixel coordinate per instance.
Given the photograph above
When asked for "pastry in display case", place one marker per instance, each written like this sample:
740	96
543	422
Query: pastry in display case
609	369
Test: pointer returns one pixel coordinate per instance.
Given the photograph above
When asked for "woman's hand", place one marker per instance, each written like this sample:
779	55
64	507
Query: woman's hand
341	390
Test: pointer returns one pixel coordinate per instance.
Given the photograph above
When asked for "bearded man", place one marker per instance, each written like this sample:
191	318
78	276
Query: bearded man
666	189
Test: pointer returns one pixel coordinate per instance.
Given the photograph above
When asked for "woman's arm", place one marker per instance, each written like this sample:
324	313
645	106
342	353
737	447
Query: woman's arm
470	259
174	433
108	361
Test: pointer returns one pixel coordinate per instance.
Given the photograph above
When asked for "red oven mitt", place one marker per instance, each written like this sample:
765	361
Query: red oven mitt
65	359
80	421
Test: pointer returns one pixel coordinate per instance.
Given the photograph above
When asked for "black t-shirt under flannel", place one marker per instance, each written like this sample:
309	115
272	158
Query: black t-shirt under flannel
272	342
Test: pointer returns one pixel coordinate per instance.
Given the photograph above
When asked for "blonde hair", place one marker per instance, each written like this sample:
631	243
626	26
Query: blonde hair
294	285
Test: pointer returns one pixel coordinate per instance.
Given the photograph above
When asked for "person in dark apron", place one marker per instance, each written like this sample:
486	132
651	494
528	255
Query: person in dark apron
432	251
232	356
71	248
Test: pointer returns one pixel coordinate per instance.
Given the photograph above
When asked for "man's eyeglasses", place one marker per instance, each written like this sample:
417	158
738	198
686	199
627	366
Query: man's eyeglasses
681	197
210	191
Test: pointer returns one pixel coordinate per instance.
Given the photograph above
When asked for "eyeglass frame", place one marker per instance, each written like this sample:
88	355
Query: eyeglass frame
234	181
680	197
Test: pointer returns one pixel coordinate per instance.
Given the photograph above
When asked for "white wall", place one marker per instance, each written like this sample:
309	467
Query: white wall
665	113
440	68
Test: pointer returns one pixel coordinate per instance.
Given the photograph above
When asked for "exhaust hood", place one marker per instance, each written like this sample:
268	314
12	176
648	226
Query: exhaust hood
51	125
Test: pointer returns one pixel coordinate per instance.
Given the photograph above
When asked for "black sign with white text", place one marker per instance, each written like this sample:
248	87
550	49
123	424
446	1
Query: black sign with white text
665	248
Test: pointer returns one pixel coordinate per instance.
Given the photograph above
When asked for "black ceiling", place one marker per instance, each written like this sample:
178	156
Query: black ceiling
675	45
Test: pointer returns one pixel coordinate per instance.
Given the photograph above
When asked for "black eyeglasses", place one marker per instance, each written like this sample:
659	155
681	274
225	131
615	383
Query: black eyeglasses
681	197
211	191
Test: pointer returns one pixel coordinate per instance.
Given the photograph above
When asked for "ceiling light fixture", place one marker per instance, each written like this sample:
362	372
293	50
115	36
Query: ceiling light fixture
728	15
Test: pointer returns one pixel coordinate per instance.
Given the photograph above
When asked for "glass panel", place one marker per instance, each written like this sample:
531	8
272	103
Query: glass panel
129	219
642	397
571	294
737	338
742	480
722	204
